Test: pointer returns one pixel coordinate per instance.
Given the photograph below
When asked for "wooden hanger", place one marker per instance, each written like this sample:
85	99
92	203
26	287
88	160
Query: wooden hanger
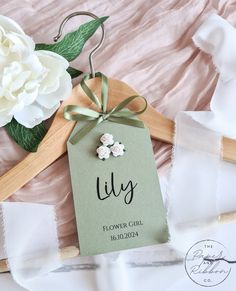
63	254
54	143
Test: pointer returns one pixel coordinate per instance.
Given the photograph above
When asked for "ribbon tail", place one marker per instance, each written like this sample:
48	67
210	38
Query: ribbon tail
83	131
127	121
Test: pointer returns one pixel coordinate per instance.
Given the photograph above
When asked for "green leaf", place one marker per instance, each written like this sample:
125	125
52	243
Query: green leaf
69	47
72	44
27	138
74	73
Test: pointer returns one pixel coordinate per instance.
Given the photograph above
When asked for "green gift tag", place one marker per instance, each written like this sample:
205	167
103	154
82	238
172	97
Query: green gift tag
118	202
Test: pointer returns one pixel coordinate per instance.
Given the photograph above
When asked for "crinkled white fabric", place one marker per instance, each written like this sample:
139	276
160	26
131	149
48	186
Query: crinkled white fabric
29	240
137	270
218	38
196	159
201	184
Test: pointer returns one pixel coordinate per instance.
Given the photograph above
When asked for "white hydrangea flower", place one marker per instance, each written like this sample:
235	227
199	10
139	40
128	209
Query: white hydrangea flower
32	83
107	139
117	149
103	152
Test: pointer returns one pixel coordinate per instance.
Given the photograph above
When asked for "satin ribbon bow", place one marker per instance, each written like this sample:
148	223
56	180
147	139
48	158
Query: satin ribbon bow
118	114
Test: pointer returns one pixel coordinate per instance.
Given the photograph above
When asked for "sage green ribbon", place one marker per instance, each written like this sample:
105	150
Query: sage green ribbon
118	114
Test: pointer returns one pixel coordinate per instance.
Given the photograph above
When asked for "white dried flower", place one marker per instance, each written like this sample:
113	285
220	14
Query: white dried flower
103	152
107	139
117	149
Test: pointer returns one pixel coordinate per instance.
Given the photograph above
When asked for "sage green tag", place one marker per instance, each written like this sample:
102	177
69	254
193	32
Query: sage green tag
118	202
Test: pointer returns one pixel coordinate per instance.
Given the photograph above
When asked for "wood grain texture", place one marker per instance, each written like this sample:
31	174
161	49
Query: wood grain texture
227	217
50	149
54	143
228	150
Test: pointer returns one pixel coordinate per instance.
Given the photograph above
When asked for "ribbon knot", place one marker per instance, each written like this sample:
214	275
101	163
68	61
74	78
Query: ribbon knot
104	116
118	114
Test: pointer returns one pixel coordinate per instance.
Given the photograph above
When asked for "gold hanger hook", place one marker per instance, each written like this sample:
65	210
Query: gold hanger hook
96	48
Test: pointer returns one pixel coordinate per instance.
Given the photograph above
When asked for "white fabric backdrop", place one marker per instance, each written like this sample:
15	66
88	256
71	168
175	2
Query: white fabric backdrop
202	185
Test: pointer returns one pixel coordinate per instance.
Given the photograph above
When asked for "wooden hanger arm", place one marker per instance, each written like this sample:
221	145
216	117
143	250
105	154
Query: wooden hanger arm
64	254
228	149
164	131
33	163
54	143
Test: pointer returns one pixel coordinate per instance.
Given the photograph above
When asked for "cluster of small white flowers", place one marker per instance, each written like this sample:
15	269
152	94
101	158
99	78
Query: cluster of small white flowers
117	149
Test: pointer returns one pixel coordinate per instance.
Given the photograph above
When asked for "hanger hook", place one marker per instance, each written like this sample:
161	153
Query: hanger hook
96	48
